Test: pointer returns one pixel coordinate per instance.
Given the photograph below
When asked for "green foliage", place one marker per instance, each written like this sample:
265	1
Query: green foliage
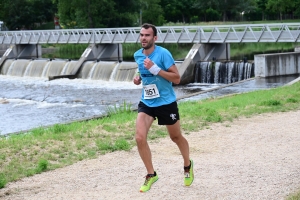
211	115
152	12
26	14
280	6
121	144
59	128
38	131
104	145
42	166
180	11
292	100
38	14
239	51
45	26
271	102
117	109
295	196
97	14
3	181
108	146
71	51
212	15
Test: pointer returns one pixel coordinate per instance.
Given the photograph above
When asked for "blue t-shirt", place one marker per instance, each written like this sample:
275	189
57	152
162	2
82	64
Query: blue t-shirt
163	59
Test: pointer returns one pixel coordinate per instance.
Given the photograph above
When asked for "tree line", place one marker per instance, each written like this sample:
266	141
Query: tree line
29	14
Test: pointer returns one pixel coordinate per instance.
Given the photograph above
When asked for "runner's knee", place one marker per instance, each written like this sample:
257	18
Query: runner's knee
140	138
176	138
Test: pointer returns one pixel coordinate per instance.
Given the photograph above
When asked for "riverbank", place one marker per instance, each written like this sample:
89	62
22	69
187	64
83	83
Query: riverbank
249	158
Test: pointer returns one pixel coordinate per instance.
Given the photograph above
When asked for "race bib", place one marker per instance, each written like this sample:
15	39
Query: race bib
151	91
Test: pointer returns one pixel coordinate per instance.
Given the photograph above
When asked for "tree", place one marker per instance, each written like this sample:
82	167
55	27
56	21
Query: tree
179	10
209	9
261	7
151	12
297	8
127	13
23	14
226	7
44	10
14	17
97	13
280	6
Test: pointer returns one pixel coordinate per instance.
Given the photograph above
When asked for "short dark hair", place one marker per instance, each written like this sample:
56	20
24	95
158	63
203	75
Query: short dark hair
146	26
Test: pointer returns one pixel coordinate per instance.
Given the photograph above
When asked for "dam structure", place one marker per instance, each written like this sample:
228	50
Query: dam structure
105	45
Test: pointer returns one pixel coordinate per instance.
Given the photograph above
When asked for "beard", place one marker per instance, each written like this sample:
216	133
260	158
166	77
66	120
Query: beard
148	45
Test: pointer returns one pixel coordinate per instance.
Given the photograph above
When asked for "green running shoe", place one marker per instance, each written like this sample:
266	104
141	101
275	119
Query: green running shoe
189	174
148	182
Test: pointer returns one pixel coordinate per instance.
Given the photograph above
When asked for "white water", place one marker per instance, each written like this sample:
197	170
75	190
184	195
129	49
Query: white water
26	103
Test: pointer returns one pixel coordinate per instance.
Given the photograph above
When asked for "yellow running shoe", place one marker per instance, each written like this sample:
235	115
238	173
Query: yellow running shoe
150	179
189	174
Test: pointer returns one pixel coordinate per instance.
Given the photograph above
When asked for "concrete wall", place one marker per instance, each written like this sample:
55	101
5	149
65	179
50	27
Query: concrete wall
4	47
201	52
280	64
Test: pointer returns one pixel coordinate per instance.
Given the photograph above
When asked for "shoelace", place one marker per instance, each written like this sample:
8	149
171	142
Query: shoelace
187	174
147	179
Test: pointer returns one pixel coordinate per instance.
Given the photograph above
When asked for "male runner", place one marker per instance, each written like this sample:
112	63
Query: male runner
157	72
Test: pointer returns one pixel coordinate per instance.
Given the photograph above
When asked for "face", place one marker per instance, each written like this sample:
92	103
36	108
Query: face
146	38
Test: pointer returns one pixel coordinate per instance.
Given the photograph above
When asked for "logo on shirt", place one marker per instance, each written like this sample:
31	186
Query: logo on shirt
173	116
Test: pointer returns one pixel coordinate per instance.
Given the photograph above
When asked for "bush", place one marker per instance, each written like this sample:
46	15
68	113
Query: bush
2	181
42	166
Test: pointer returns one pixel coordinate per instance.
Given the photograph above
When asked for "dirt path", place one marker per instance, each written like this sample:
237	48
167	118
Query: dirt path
251	158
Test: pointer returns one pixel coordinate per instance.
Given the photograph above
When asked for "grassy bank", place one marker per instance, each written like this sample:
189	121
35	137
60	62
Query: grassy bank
45	149
240	50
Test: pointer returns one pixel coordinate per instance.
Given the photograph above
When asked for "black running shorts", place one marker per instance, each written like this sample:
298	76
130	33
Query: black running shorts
166	114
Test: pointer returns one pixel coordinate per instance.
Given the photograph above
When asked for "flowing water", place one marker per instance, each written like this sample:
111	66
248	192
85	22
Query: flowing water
29	100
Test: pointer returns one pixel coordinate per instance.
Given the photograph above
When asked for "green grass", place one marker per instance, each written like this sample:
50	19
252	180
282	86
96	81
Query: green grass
295	196
240	50
44	149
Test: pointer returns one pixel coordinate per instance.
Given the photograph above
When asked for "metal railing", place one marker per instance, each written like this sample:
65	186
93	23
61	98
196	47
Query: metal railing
287	32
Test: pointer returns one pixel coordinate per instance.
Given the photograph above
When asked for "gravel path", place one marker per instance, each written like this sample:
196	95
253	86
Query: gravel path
250	158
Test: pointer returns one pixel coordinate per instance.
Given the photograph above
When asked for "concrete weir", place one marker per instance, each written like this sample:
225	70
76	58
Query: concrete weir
279	64
201	52
266	65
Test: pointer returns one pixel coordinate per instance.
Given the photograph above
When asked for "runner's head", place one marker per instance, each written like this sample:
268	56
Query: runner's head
147	26
148	36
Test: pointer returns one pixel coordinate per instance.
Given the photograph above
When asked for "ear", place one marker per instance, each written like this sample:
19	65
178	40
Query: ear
155	38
